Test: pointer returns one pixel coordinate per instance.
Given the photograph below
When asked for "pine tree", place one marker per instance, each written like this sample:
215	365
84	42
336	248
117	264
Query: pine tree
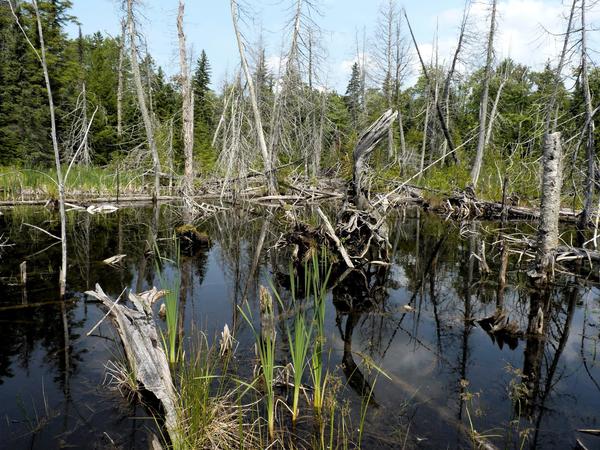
203	112
353	95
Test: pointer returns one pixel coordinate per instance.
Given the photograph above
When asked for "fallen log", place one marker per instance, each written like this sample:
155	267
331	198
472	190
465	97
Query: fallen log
335	239
144	351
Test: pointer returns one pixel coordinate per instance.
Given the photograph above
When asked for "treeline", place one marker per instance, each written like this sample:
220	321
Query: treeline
86	73
305	126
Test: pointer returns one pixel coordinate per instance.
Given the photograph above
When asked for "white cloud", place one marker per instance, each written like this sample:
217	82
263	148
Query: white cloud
529	31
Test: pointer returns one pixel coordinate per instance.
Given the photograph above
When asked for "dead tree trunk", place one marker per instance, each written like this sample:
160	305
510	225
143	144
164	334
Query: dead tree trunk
364	147
399	62
483	105
188	118
137	78
267	158
558	73
494	113
450	75
120	80
550	206
589	131
41	56
425	133
145	354
438	108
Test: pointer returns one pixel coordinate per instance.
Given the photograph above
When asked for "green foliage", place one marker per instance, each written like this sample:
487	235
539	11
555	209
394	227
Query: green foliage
354	95
514	142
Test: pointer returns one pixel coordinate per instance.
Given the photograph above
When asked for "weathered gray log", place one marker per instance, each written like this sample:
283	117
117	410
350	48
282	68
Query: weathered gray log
550	205
364	147
144	351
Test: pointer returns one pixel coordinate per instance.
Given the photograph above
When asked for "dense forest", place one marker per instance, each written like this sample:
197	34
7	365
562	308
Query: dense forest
308	127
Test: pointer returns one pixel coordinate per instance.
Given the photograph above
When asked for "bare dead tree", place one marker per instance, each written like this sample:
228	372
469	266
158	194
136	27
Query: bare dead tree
584	218
505	75
438	108
188	118
137	78
41	56
120	79
384	53
401	63
549	108
483	104
85	152
267	157
452	70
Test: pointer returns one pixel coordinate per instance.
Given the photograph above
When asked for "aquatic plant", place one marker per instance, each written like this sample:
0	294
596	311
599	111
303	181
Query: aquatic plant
211	402
319	293
265	348
172	285
299	344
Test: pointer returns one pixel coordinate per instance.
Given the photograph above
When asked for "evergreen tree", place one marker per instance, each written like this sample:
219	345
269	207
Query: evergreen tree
353	95
203	112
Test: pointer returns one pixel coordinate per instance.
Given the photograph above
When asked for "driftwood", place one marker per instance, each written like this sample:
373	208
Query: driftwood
463	205
144	351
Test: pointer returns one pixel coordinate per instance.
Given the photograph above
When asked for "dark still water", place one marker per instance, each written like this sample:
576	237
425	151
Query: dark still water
417	320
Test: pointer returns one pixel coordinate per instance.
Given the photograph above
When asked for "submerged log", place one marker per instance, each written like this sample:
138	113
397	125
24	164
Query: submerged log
144	351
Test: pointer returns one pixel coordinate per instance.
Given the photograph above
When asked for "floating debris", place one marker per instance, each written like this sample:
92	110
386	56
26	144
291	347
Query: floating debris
102	209
114	260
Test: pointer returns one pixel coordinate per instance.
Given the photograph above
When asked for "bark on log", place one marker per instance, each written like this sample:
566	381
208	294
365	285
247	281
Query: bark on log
187	113
144	351
550	205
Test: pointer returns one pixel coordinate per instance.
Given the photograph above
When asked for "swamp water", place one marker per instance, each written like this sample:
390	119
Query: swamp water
445	377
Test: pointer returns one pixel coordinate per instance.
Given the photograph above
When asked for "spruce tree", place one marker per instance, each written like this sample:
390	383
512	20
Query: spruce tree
353	92
203	112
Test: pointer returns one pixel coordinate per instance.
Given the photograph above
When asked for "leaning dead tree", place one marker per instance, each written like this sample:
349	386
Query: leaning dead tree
262	142
483	105
452	70
145	111
188	118
438	107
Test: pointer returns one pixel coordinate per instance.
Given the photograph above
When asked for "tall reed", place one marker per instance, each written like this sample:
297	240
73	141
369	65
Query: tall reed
319	294
265	347
172	285
299	342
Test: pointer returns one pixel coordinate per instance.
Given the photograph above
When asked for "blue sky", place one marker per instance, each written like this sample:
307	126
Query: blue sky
208	26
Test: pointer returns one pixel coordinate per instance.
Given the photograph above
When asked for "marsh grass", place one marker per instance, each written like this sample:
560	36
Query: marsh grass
212	409
265	348
318	287
32	183
37	420
171	283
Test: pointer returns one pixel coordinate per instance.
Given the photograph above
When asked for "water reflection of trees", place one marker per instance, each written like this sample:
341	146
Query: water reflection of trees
448	282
